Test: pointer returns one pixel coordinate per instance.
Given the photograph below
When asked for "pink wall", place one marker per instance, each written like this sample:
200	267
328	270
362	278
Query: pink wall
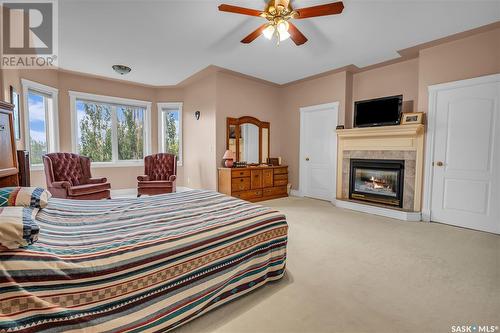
399	78
120	177
326	89
199	135
469	57
219	94
239	96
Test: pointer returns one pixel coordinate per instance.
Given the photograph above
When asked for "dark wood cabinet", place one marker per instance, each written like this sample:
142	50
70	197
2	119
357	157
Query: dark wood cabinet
23	159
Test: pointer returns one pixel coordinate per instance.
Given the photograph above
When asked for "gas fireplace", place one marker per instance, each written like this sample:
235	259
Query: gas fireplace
378	181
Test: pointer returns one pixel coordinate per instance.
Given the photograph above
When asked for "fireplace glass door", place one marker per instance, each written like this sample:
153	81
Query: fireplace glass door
378	181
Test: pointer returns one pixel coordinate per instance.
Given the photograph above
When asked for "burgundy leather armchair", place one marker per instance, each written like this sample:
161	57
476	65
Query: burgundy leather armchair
68	177
160	175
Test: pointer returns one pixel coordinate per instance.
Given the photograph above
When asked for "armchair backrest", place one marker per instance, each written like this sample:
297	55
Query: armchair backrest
67	166
160	166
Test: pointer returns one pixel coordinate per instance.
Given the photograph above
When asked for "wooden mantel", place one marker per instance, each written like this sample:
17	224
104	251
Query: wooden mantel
401	138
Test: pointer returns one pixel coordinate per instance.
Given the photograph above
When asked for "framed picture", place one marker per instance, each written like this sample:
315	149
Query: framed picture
14	99
273	161
411	118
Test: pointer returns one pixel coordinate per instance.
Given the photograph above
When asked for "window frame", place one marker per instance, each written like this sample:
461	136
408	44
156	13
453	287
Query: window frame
51	117
113	101
161	130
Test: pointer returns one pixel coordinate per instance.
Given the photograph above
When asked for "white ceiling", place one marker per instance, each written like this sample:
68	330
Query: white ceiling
166	41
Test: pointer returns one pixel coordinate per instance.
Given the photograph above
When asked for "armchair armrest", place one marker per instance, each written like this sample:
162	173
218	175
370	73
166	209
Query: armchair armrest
143	178
172	178
61	184
97	180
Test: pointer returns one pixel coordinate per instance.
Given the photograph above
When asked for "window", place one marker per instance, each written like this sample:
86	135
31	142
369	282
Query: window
170	131
40	101
110	130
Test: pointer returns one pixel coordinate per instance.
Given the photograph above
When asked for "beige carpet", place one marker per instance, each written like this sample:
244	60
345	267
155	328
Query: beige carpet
354	272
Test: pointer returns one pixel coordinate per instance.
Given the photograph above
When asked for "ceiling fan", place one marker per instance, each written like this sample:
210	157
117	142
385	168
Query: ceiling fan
278	14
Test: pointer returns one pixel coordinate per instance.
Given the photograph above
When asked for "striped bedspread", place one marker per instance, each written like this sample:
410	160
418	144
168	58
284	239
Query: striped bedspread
138	265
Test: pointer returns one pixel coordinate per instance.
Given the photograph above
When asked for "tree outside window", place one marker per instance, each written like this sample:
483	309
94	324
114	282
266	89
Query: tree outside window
171	137
99	122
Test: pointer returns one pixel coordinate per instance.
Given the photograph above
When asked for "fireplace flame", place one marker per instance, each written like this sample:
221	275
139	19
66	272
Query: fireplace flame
379	184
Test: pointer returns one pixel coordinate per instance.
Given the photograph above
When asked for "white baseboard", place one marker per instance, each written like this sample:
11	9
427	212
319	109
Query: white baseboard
392	213
295	193
132	192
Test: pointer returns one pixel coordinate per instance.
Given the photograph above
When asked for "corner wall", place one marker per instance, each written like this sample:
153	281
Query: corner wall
239	96
199	135
218	94
119	177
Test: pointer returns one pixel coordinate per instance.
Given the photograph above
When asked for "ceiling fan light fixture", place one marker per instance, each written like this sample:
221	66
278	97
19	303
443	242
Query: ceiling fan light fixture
277	13
269	31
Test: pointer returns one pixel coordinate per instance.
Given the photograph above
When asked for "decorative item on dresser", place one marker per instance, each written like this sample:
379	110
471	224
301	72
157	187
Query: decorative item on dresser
23	158
8	159
228	159
274	161
254	183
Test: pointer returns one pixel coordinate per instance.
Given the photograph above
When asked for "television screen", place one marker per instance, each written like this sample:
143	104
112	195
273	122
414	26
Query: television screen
378	112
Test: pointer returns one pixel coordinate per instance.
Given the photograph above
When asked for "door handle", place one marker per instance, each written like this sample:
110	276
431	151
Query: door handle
439	163
307	158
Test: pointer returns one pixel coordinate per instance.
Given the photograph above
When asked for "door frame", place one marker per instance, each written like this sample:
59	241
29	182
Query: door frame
334	107
433	91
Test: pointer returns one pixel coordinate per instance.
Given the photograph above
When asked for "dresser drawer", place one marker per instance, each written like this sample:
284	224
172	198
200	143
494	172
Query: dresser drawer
240	173
281	177
267	178
279	171
272	191
248	195
256	182
280	182
240	184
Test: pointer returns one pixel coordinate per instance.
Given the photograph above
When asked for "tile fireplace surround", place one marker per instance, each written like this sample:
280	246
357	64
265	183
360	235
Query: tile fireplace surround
403	142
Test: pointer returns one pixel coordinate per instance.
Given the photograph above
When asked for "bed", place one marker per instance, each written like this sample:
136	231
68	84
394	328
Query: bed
138	265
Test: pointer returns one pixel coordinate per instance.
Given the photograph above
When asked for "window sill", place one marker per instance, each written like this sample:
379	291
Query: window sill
39	167
117	164
36	167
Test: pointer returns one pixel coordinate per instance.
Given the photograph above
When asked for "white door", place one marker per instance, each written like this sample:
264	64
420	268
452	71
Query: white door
466	177
318	151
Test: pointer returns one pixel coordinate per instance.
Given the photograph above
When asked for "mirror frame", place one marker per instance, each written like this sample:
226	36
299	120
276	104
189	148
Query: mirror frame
248	120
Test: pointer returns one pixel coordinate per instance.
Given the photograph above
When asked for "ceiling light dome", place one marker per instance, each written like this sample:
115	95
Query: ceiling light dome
283	26
284	35
269	32
121	69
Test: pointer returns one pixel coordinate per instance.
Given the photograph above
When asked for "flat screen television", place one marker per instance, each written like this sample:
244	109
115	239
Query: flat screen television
383	111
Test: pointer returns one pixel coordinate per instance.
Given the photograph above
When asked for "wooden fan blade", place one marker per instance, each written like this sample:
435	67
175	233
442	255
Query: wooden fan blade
295	34
239	10
256	33
321	10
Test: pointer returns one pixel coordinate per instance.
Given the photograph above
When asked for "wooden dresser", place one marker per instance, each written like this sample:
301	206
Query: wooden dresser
254	183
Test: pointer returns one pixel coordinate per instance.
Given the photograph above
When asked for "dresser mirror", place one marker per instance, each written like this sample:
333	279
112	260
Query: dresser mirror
248	139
